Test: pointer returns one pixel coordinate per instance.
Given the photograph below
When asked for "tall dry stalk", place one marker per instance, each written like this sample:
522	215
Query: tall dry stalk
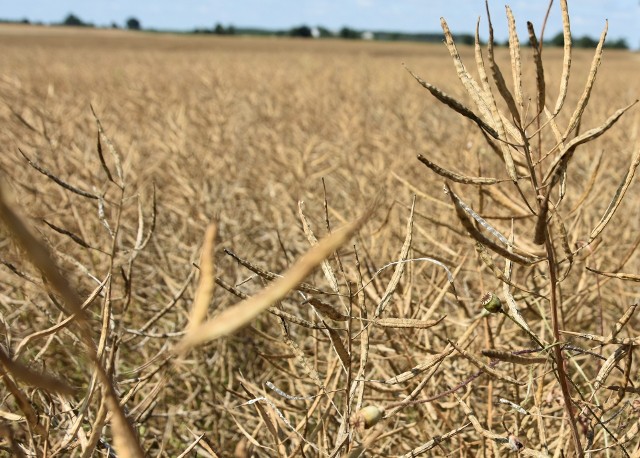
540	183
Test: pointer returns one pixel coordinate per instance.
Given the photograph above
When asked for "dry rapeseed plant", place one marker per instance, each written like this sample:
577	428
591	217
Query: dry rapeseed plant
537	153
125	354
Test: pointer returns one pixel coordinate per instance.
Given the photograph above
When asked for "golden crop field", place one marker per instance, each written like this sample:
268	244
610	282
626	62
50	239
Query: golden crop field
128	327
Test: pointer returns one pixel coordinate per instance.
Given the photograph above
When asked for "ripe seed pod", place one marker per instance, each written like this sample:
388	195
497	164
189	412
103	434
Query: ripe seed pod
367	417
491	303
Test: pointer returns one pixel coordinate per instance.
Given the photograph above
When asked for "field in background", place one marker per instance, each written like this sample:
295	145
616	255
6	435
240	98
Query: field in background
238	131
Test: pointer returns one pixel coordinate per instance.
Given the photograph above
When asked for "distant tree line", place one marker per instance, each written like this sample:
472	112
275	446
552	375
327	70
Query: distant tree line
19	21
348	33
218	29
74	21
306	31
587	42
71	20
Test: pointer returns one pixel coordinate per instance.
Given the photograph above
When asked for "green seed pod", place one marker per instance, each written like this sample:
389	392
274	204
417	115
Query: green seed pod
491	303
367	417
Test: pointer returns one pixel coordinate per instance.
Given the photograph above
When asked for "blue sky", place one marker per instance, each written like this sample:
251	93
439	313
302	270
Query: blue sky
402	15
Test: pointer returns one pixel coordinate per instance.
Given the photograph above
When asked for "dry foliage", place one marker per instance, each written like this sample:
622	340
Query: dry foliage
165	291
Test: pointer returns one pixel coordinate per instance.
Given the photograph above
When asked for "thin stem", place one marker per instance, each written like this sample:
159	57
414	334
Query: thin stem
560	362
544	26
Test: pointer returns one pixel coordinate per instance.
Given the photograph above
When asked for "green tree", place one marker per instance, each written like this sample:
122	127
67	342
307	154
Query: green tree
618	44
465	39
585	42
346	32
557	40
324	32
133	24
219	29
73	20
303	31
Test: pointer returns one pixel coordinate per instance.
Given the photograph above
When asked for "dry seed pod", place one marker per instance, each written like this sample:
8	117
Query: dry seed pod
491	303
367	417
